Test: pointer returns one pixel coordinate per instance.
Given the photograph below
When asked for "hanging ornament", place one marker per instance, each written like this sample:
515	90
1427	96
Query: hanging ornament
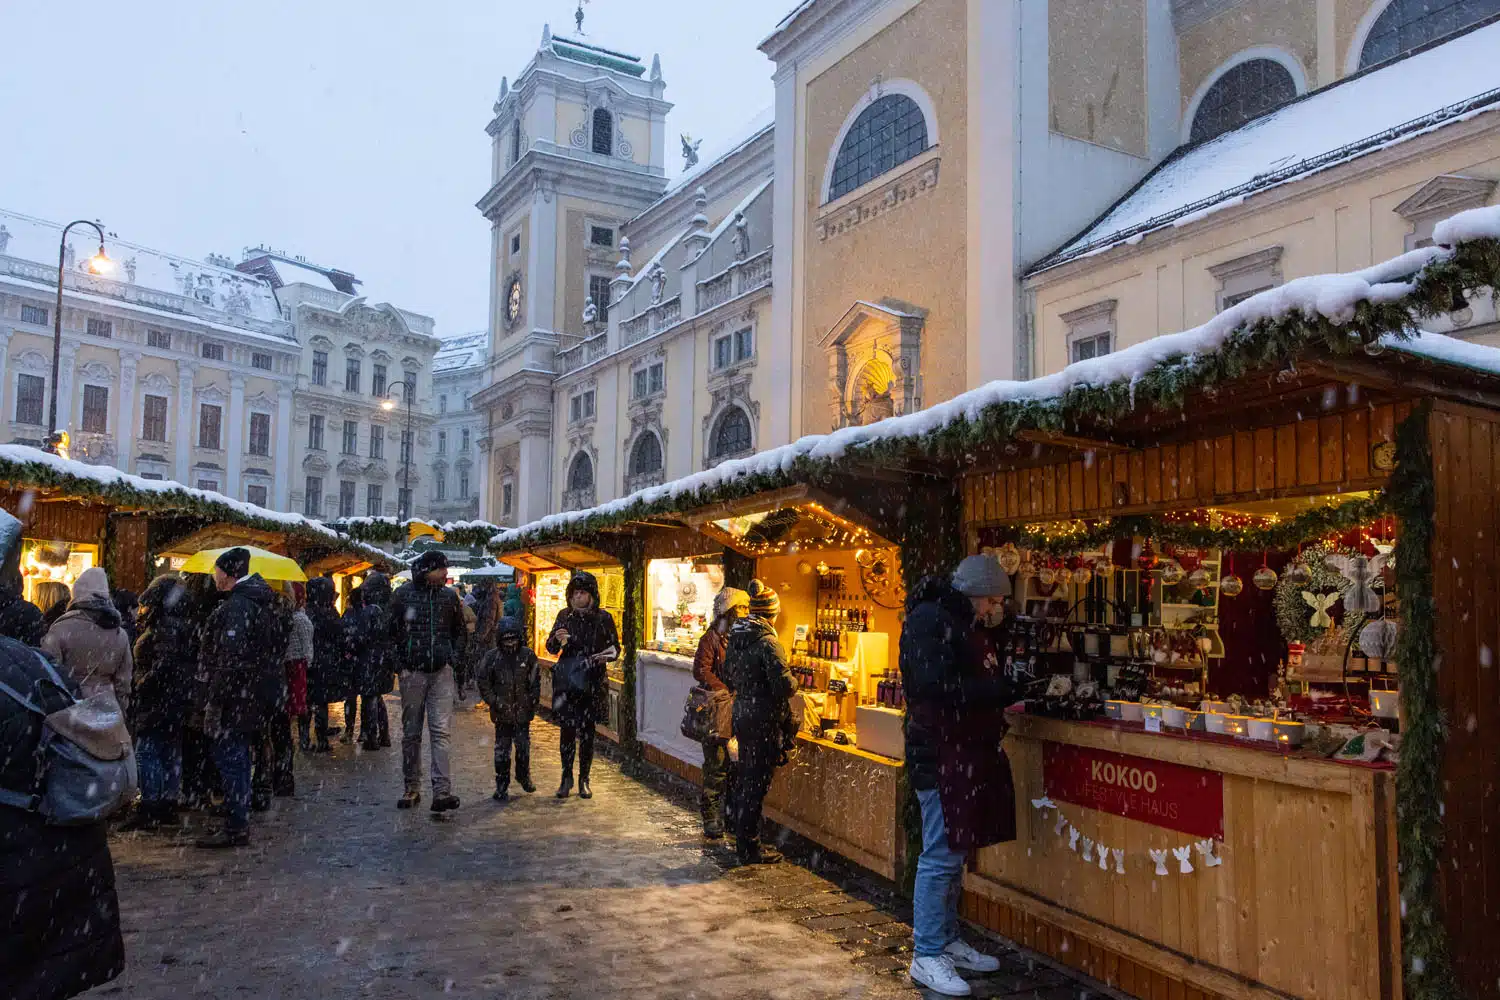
1119	856
1363	573
1182	854
1147	559
1046	576
1265	577
1198	578
1160	857
1320	603
1231	586
1171	573
1377	640
1103	568
1082	575
1299	575
1206	856
1010	558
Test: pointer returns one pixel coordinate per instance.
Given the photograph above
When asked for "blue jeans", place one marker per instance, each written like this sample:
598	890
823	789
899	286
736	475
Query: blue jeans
158	755
940	872
232	757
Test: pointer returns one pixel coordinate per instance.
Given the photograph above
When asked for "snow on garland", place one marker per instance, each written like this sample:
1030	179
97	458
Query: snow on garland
1112	859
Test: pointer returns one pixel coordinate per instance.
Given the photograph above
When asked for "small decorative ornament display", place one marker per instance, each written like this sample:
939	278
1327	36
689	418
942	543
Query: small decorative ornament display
1082	575
1182	854
1320	603
1206	856
1198	578
1119	855
1231	586
1299	574
1377	640
1171	572
1073	834
1046	576
1264	578
1010	558
1088	850
1095	852
1160	857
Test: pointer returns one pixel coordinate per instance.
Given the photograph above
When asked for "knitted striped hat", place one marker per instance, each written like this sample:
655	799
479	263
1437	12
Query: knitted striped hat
763	600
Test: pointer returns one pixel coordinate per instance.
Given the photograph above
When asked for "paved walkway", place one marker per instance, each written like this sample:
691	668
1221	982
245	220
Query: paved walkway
340	895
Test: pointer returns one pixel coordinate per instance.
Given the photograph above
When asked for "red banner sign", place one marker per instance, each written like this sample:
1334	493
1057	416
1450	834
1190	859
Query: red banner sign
1186	799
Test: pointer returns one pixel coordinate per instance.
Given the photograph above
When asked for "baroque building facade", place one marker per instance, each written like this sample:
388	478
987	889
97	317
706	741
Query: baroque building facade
456	457
211	373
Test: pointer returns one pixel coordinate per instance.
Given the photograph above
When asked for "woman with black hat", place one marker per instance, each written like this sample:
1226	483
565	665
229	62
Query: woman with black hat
584	639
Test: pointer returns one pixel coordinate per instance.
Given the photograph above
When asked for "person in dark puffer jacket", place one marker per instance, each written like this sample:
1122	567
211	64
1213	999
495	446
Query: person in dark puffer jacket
756	670
581	630
510	682
58	907
427	625
328	673
166	660
373	660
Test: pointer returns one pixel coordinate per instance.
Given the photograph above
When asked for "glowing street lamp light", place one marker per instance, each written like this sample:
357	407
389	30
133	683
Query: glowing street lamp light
99	263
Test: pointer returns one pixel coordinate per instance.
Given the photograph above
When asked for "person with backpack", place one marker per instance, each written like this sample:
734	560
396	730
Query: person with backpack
730	604
373	660
756	672
166	660
57	883
328	670
241	656
510	682
583	639
427	624
89	642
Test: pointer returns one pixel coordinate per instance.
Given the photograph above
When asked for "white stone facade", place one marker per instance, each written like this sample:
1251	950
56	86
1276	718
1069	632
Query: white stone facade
457	461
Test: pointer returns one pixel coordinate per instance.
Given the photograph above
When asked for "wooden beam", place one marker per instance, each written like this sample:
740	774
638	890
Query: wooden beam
1073	442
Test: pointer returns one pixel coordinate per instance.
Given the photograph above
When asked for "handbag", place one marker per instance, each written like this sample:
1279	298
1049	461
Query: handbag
572	678
707	715
85	761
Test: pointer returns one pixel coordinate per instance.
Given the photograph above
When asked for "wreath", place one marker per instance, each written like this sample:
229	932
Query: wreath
1294	614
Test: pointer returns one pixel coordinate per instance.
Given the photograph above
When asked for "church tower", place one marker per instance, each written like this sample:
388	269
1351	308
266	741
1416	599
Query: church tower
578	147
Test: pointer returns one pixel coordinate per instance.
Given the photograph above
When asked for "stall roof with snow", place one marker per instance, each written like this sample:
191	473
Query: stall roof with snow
1362	326
1393	103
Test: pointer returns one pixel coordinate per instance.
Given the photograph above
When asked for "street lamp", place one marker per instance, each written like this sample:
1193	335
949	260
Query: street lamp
408	445
98	264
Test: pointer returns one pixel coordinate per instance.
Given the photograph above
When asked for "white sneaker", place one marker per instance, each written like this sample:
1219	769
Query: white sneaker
936	973
966	956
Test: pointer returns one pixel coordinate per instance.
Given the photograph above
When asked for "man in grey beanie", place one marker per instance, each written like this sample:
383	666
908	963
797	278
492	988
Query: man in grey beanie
955	703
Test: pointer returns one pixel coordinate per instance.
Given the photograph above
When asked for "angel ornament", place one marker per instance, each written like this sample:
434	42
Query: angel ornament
1320	603
1160	857
1363	574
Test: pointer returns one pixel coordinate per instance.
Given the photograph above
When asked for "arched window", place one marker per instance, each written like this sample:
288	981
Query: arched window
645	457
1410	24
604	132
581	474
889	132
732	435
1246	91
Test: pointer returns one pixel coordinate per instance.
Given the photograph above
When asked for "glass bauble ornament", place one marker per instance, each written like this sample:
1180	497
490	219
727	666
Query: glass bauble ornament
1046	576
1299	575
1082	575
1231	585
1198	578
1010	558
1264	578
1171	572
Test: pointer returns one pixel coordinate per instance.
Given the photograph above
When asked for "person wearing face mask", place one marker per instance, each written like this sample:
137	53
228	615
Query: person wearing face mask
584	639
956	697
729	605
510	682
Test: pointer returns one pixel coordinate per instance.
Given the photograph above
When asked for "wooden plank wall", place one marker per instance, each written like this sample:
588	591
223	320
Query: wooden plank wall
128	537
1322	454
1466	465
60	520
843	799
1294	910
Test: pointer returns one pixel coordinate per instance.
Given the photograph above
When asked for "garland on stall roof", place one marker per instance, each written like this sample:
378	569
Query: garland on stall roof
1419	797
389	530
1070	537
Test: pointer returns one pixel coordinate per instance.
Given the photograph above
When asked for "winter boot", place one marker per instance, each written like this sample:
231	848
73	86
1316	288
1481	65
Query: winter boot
145	817
410	799
524	780
566	788
502	788
585	765
444	803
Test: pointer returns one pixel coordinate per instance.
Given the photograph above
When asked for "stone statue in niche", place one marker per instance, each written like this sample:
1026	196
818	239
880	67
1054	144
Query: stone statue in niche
4	237
741	236
68	257
590	312
874	405
658	284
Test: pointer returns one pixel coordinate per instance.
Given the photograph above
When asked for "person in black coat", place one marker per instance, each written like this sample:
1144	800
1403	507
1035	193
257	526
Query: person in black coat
584	639
19	618
510	682
373	659
328	673
241	654
755	669
166	663
58	907
427	624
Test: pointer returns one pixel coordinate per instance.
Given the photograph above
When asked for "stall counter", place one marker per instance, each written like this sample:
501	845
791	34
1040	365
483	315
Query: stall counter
843	798
663	681
1304	901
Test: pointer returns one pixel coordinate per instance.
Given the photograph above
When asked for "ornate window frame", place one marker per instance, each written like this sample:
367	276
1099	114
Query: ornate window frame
735	393
1272	53
580	499
646	420
879	89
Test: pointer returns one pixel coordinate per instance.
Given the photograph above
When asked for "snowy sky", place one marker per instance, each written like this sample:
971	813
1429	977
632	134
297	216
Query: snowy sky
351	133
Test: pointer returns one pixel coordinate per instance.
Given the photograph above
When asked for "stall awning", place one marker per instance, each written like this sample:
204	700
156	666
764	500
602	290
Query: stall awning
799	518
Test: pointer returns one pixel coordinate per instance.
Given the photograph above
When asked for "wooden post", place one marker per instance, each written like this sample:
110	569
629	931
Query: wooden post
632	554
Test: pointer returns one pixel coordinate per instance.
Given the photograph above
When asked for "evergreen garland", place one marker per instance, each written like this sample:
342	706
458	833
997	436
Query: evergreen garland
390	531
1427	962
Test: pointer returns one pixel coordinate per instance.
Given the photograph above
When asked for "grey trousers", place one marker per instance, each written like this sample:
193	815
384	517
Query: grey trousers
426	697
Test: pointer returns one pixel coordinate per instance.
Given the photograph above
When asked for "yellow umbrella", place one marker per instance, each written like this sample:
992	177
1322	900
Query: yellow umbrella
268	564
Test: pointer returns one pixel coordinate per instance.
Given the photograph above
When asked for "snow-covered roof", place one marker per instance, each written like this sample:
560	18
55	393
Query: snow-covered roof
1379	108
162	494
1331	296
219	287
464	350
281	269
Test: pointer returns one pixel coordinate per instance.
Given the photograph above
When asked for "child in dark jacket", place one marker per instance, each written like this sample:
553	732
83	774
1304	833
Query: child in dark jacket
510	682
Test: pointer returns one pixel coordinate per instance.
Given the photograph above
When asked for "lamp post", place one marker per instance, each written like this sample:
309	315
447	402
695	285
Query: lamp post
98	264
408	445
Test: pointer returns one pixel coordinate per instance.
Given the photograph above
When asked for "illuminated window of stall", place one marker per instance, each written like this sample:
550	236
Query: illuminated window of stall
680	599
55	561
